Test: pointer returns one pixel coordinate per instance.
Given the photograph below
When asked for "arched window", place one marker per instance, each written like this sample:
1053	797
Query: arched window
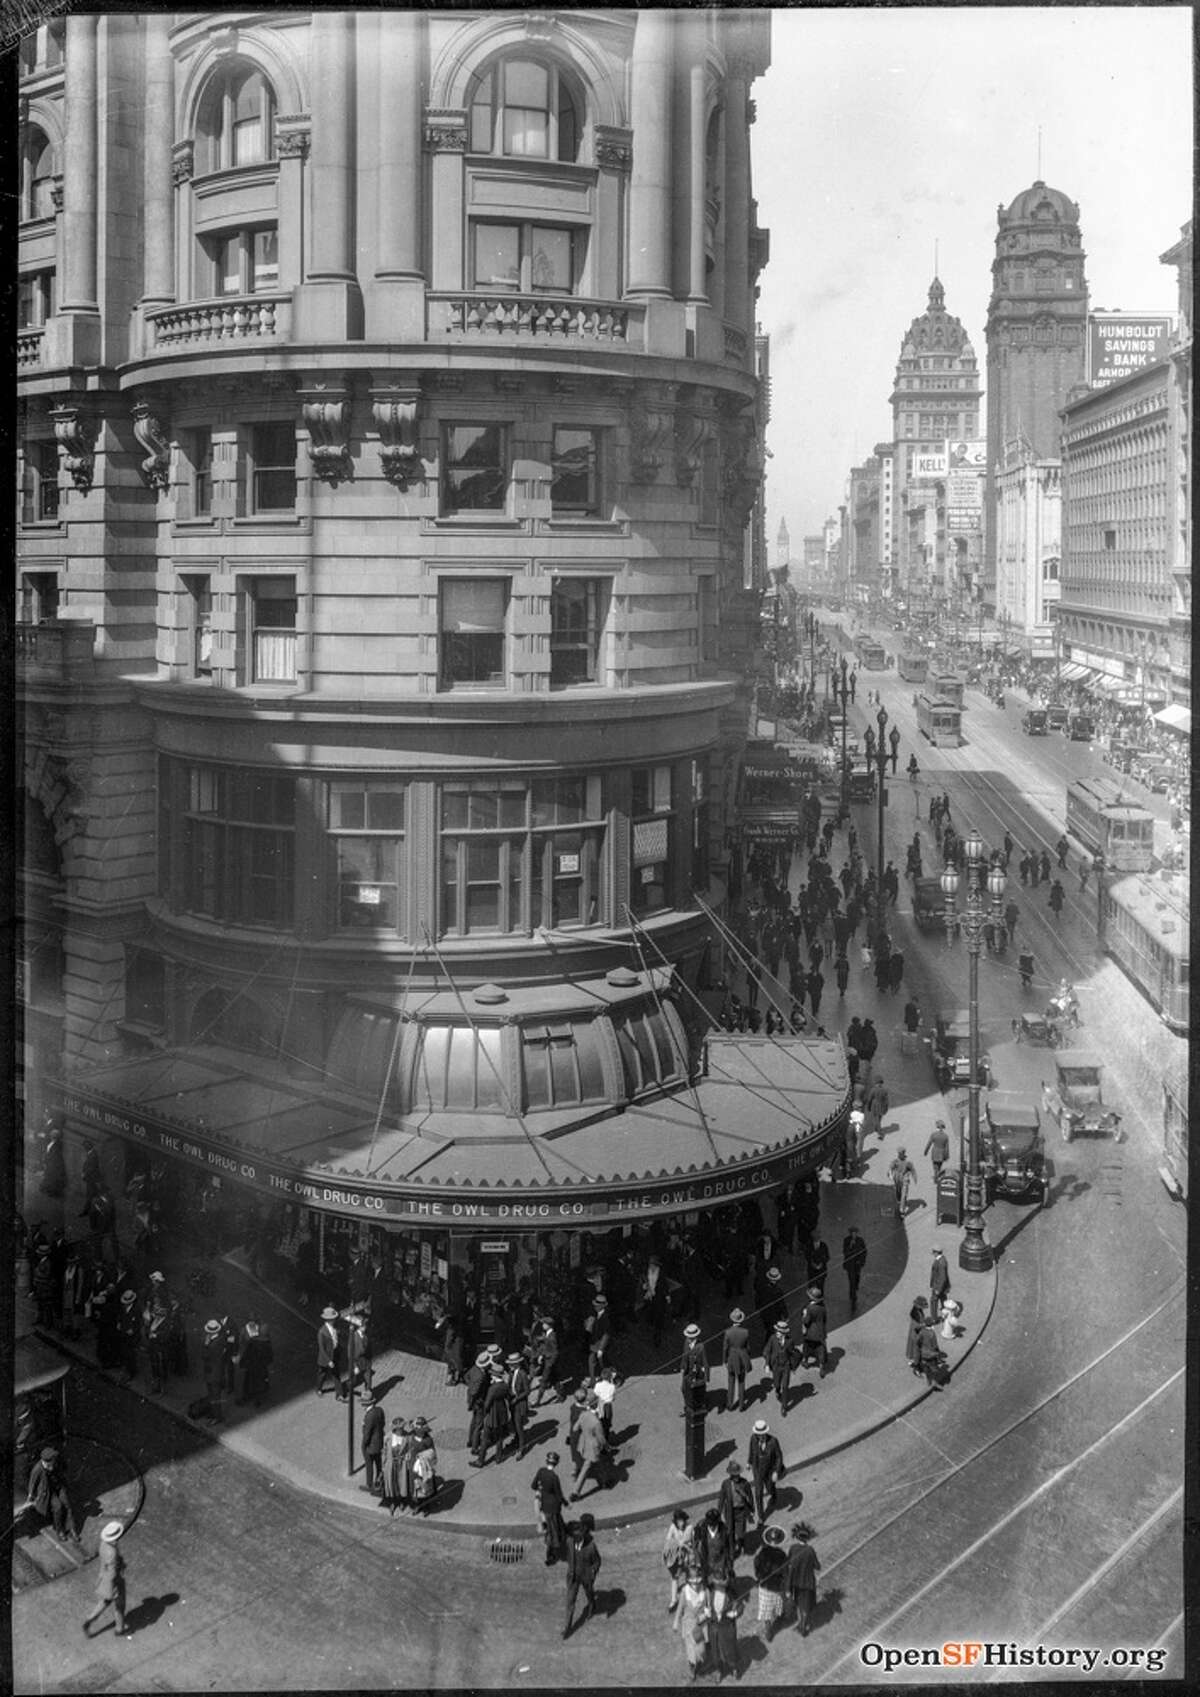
237	120
524	109
37	199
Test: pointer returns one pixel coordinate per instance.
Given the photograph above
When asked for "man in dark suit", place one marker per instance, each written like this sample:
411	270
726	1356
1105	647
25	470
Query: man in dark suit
694	1369
814	1325
854	1259
939	1283
735	1353
518	1386
583	1564
778	1357
765	1461
476	1383
598	1327
372	1443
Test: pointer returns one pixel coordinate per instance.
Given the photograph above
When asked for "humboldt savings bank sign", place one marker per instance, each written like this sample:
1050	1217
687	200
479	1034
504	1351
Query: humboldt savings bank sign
613	1202
1121	342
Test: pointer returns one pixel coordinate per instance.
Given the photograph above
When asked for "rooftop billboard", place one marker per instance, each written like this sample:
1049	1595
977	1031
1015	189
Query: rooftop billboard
1120	342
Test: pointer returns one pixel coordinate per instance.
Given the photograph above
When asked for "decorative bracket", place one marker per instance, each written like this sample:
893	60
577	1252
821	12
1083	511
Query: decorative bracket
325	413
153	437
651	421
292	136
75	433
693	429
183	162
445	131
613	147
394	412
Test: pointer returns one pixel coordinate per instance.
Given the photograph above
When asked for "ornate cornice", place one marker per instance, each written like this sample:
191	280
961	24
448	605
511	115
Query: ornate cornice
183	161
152	436
293	136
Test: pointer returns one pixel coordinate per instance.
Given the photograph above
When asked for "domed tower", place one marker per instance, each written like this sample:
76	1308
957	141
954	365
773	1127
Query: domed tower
1036	326
935	397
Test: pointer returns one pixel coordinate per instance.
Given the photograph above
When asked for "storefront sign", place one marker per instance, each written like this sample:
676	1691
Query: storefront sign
426	1260
490	1246
352	1198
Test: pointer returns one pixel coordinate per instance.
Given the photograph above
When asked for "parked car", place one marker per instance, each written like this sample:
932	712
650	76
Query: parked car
1057	716
929	903
1081	727
1076	1099
1033	722
949	1051
1012	1148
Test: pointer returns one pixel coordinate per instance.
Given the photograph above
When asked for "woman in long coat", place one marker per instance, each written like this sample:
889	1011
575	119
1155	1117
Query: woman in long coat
424	1466
916	1319
394	1469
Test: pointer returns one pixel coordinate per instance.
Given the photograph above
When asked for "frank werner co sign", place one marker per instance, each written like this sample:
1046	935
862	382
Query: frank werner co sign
362	1200
1119	343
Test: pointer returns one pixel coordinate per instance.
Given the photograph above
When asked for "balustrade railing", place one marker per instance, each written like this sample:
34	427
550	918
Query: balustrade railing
29	348
239	318
487	314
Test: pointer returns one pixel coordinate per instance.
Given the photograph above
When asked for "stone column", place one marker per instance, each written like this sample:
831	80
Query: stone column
329	302
650	186
80	162
697	290
737	202
398	295
158	190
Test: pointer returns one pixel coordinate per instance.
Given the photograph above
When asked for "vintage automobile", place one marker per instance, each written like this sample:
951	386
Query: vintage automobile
1057	716
929	903
860	783
1012	1149
1033	722
1081	727
949	1051
1076	1098
1037	1028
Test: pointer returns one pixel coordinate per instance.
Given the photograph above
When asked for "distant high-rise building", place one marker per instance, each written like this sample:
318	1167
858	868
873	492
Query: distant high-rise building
936	397
1036	337
783	545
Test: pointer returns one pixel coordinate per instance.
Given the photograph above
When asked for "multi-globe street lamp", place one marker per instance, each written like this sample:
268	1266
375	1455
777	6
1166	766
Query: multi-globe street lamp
974	1252
841	695
878	756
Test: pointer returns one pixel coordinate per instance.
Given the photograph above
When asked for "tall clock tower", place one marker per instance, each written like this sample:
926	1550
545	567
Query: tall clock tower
1036	335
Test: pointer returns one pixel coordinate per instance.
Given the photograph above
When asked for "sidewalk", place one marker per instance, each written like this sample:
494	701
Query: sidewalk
305	1437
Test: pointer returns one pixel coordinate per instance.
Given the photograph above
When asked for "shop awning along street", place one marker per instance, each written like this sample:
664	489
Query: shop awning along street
1175	718
764	1110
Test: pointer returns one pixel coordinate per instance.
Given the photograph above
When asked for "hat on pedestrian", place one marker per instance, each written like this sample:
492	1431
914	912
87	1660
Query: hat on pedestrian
497	1369
49	1453
552	1458
734	1467
692	1331
760	1426
803	1530
940	1125
128	1297
157	1279
814	1291
581	1395
421	1424
774	1275
902	1151
773	1535
600	1302
516	1359
398	1423
493	1351
112	1531
43	1249
782	1326
737	1316
587	1522
329	1313
483	1360
212	1327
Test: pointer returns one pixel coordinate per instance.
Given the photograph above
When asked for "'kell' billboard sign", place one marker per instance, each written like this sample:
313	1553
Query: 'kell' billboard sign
1119	343
928	465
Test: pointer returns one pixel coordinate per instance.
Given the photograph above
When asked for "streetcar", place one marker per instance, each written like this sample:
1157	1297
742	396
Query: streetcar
913	668
948	686
1099	816
1146	933
940	721
872	655
1174	1170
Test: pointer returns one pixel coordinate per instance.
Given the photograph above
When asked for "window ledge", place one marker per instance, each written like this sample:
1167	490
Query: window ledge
582	525
476	521
268	522
183	527
48	526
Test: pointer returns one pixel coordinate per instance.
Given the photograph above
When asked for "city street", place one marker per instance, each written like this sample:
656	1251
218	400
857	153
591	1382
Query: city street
1038	1501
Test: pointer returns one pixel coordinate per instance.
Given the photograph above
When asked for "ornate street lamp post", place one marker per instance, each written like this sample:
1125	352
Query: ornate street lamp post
841	694
974	1252
877	756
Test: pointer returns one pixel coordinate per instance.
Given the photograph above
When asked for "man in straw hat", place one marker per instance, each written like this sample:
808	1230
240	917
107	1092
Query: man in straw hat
779	1358
328	1350
765	1461
110	1581
735	1353
694	1368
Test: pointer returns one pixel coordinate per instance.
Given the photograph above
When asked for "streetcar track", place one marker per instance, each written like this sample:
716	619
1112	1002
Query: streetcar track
1124	1549
879	1629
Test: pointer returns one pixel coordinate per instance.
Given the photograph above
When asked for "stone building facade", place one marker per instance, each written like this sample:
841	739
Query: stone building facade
391	414
935	397
1036	337
1179	494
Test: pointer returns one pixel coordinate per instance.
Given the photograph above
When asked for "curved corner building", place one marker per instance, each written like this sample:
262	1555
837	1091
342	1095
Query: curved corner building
392	433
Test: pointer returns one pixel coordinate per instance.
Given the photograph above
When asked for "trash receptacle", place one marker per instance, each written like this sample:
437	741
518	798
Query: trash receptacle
949	1197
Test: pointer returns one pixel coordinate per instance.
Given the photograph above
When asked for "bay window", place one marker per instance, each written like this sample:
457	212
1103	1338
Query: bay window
366	833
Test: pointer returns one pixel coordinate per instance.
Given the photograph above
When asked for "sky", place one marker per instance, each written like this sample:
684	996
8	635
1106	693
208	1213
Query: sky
881	132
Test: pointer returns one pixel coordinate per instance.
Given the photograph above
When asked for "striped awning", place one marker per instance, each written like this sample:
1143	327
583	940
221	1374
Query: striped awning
1072	672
